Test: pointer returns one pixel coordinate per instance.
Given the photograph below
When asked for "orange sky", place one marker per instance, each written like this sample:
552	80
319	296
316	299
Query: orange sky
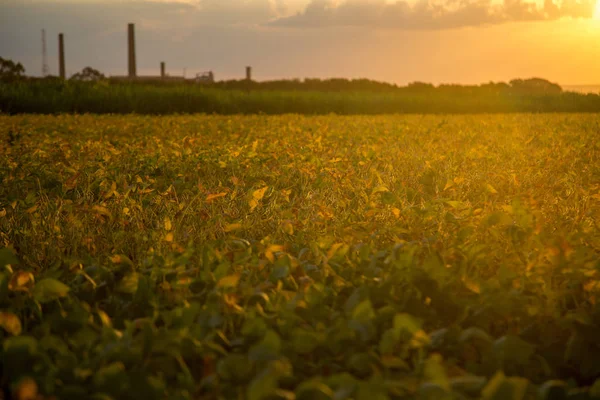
439	41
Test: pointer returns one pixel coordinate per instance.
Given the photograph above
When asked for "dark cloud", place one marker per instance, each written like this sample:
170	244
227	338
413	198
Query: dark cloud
429	15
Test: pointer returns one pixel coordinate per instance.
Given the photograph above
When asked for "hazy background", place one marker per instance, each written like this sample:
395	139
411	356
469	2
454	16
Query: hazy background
458	41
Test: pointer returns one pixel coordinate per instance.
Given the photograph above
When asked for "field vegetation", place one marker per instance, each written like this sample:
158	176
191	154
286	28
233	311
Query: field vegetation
294	257
311	96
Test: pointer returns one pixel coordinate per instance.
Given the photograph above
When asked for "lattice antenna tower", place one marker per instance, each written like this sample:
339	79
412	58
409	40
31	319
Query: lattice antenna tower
45	69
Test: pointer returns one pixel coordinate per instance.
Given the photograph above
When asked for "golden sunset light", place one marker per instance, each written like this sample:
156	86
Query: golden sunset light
300	199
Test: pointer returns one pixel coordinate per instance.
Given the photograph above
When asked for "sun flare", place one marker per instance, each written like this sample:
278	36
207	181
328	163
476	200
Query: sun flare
597	10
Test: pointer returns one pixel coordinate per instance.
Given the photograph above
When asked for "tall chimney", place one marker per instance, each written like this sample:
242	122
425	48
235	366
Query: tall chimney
248	73
61	56
131	50
162	70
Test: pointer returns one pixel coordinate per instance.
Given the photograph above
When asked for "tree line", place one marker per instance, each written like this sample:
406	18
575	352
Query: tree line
11	72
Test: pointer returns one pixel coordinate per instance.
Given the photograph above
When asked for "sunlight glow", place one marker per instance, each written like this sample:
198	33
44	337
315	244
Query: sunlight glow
597	11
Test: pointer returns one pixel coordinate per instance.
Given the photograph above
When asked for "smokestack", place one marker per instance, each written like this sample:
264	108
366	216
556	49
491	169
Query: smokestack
162	70
131	50
61	56
248	73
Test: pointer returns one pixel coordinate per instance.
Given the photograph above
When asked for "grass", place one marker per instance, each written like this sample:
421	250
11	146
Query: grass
72	97
325	257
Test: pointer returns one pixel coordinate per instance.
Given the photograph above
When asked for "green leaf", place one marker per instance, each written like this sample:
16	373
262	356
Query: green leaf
512	349
502	388
19	344
406	322
7	257
267	349
262	386
234	367
435	372
129	283
49	289
468	384
594	390
363	312
4	279
553	390
313	389
434	391
111	375
279	272
304	342
454	203
265	383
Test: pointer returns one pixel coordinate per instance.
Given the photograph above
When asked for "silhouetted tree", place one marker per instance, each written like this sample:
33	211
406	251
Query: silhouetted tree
88	74
10	71
420	87
535	86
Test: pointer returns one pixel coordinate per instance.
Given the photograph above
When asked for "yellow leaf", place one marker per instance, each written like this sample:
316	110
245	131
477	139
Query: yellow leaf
21	281
491	189
10	322
232	227
27	388
515	179
104	318
272	249
275	248
3	213
102	211
288	227
211	197
253	204
396	212
380	189
120	259
111	191
32	209
169	237
333	249
471	285
260	193
458	180
168	225
449	184
229	281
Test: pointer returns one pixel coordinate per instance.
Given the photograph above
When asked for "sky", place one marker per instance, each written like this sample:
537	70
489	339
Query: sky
398	41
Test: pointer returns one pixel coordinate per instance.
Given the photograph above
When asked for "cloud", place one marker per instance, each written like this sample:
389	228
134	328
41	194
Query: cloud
426	14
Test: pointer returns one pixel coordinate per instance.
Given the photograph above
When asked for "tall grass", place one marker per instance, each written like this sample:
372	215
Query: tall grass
69	97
